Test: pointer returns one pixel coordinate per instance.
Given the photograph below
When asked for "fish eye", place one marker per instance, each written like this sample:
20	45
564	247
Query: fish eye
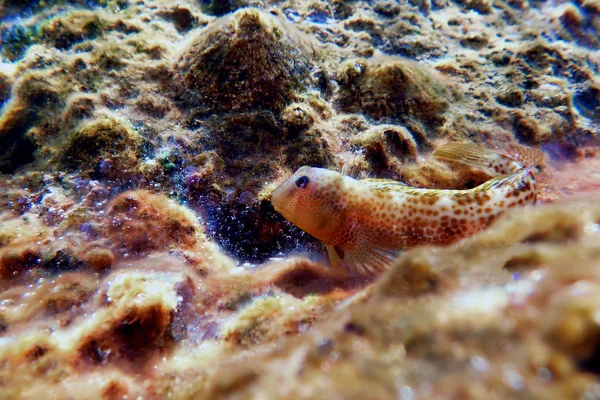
302	182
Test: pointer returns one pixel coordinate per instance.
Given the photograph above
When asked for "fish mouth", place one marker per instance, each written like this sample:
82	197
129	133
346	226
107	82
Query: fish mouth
281	210
276	198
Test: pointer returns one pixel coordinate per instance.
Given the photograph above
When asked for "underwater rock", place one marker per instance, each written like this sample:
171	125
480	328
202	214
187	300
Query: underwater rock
6	82
580	23
15	260
65	31
140	142
243	62
262	319
104	145
298	115
182	18
140	221
587	101
78	108
61	299
137	320
458	306
481	6
16	39
99	259
510	97
301	277
21	242
387	147
394	88
221	7
10	7
35	100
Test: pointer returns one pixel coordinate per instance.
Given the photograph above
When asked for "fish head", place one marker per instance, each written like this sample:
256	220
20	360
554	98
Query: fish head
312	199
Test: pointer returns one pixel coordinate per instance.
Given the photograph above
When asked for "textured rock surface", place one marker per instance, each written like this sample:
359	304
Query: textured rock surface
243	62
140	254
503	314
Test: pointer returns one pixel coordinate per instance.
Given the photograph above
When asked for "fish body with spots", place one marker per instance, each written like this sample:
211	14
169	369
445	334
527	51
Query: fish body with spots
365	223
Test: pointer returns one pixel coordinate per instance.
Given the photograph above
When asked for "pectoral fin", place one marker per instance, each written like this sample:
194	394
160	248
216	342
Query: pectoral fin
335	255
369	259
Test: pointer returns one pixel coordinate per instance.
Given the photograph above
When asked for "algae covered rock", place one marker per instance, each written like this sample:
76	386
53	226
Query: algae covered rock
221	7
462	306
140	222
35	100
387	147
66	31
6	82
141	140
107	145
137	319
393	88
244	61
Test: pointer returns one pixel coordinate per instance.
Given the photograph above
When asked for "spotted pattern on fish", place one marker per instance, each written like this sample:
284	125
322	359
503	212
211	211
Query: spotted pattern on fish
366	223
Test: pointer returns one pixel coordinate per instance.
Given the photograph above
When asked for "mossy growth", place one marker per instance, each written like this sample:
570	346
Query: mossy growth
222	7
66	30
394	88
387	148
62	31
16	39
12	7
312	148
105	141
140	222
243	62
6	82
35	101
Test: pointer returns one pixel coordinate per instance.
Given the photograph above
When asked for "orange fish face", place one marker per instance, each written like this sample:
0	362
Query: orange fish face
312	199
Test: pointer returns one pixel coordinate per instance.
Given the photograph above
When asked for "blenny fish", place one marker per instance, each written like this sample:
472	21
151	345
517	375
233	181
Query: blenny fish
366	223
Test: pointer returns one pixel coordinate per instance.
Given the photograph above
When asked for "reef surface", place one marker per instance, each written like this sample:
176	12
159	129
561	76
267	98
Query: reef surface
140	254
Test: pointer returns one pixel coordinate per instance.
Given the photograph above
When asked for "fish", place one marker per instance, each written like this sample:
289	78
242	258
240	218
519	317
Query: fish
366	223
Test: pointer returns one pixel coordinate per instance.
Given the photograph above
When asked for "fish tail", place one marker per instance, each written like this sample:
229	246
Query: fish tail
488	161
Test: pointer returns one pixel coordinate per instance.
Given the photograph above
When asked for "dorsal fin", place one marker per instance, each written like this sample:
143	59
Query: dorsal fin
466	153
488	161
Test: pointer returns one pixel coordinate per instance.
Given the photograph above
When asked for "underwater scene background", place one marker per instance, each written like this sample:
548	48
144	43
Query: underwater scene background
140	253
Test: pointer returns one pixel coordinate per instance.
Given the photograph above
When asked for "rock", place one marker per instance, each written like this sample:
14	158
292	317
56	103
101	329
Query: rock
102	140
6	82
140	221
66	31
387	147
99	259
137	317
394	88
243	62
587	101
34	101
219	8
